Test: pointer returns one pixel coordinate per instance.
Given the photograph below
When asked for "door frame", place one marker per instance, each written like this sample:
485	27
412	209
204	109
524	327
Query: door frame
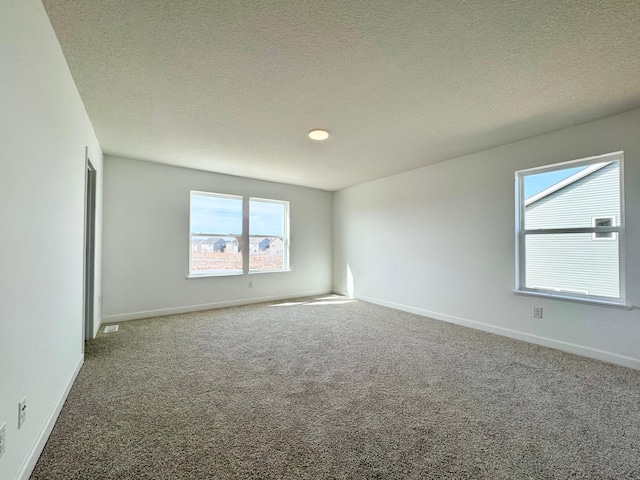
89	271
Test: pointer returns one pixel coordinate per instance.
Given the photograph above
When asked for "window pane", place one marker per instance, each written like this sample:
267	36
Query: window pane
572	197
572	263
604	222
266	253
216	215
269	240
215	254
216	233
266	218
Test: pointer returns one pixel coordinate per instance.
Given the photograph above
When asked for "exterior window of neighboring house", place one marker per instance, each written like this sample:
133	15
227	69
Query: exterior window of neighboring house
604	222
561	209
215	234
268	235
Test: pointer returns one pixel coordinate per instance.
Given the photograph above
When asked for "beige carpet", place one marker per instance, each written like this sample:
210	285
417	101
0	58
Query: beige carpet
325	389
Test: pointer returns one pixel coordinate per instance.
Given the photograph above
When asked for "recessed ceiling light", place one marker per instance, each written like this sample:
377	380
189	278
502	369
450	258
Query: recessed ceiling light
318	134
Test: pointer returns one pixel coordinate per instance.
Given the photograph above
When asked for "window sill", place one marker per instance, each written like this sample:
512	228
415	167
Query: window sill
212	274
568	298
254	272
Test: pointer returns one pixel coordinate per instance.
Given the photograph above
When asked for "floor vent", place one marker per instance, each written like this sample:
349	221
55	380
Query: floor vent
110	328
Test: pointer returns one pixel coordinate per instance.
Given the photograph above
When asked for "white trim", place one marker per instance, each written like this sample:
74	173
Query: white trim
338	291
162	312
583	351
212	273
258	272
36	450
99	324
568	296
554	231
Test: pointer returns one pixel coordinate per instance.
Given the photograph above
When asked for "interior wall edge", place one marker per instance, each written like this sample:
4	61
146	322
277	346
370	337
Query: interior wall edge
34	454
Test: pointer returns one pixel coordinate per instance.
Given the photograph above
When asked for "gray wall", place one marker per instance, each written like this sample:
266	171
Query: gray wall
453	230
44	130
146	242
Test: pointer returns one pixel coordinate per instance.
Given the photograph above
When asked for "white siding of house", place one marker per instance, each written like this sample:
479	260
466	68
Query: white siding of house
575	262
276	247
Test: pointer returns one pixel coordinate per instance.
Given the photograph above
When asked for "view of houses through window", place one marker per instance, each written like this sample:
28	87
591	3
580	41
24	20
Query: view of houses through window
216	234
570	222
268	238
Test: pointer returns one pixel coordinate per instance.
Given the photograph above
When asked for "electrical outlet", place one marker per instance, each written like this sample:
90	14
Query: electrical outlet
250	284
537	312
22	412
2	439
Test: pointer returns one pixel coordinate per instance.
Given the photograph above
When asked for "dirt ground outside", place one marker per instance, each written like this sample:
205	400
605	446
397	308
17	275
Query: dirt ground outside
202	261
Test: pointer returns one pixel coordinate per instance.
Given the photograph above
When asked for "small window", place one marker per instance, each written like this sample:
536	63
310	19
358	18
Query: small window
215	234
268	235
559	215
604	222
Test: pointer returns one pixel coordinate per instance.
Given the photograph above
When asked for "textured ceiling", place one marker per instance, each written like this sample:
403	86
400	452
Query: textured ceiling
234	86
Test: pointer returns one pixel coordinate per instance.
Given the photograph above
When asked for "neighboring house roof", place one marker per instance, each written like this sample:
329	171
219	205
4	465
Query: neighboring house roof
210	241
567	181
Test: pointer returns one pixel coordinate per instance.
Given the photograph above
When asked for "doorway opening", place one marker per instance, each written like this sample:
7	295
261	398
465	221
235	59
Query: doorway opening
89	247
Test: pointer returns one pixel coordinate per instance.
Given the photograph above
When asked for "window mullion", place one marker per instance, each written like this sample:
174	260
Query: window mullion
245	235
551	231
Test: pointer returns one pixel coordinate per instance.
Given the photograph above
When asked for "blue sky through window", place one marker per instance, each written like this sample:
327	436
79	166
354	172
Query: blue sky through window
536	183
216	215
223	216
266	218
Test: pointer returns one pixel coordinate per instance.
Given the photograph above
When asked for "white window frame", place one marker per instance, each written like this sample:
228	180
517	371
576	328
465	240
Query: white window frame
285	238
214	273
521	234
595	236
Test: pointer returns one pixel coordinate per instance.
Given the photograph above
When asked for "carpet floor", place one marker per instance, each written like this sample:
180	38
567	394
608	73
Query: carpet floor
330	388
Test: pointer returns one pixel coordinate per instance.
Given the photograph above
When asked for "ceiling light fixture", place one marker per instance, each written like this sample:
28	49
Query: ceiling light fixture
318	134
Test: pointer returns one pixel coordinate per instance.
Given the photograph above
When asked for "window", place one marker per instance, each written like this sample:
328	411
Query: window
217	238
268	235
604	222
561	209
215	234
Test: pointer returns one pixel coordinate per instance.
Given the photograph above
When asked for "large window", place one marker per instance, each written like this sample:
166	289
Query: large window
570	230
268	235
215	234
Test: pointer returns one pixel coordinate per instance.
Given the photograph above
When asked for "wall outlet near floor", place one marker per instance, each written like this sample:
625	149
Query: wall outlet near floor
3	439
250	284
22	412
537	312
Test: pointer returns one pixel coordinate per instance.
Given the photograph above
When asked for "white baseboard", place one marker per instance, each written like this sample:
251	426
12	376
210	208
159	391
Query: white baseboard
96	327
122	317
507	332
38	446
